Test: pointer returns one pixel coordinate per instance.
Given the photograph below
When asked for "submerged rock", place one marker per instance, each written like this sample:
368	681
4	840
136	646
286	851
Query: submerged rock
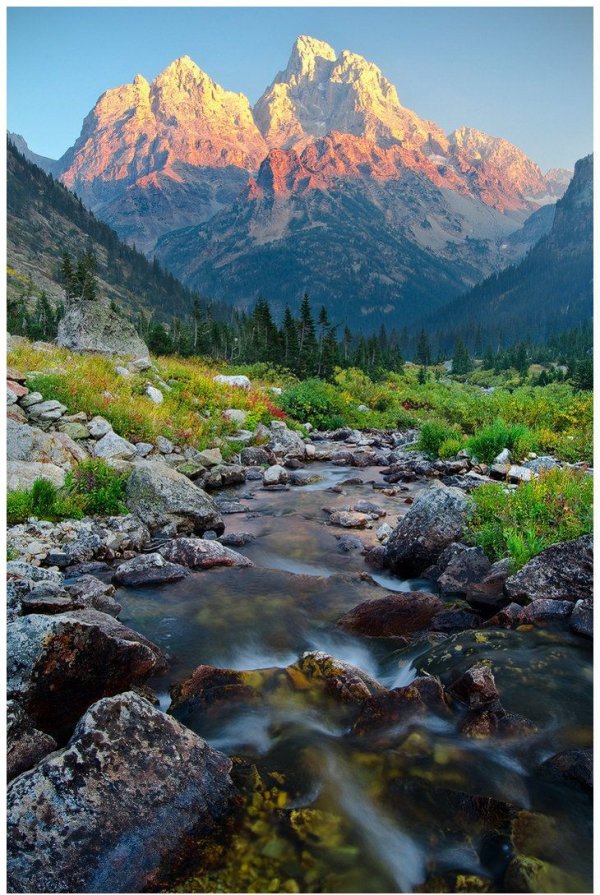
396	707
562	572
57	665
574	766
393	615
436	519
127	792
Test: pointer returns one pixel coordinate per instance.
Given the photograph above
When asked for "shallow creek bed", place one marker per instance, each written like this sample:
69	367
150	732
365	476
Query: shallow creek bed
335	801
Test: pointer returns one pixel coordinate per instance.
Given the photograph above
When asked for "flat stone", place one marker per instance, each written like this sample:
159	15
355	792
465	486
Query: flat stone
21	474
233	381
30	399
148	569
112	447
197	553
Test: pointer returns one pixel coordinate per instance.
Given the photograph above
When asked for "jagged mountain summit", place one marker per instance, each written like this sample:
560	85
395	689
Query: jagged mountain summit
328	157
154	156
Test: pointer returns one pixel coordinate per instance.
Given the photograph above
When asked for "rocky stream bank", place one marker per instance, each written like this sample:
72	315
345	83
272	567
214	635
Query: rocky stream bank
203	691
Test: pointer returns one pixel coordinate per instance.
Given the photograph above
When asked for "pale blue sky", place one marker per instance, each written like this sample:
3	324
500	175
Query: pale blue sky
521	73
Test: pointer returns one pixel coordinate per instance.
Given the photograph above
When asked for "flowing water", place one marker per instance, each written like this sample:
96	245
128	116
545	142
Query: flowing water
336	813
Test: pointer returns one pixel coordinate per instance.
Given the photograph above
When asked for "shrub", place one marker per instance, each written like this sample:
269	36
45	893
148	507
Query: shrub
450	448
92	488
555	507
433	435
97	487
44	501
315	402
487	443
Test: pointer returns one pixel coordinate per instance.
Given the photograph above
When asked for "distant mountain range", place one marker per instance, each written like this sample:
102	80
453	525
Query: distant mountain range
328	185
549	291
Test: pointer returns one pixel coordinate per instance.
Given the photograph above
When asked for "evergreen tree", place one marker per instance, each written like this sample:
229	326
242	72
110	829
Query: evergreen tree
307	341
290	341
423	356
461	361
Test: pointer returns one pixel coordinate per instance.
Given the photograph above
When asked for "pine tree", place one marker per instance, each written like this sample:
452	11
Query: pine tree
289	334
307	341
423	356
461	361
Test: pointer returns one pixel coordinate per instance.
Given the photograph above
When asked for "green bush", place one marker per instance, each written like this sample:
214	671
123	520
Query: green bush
450	448
433	435
314	401
98	487
487	443
92	488
555	507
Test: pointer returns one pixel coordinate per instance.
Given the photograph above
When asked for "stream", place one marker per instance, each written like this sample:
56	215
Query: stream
364	815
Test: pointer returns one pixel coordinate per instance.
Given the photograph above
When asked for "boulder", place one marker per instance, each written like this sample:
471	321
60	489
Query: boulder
93	593
345	682
25	744
94	326
476	687
139	364
236	538
236	416
458	567
540	611
164	445
436	518
275	475
394	615
393	708
161	496
489	592
57	665
561	572
148	569
112	447
21	474
131	788
155	395
208	457
30	444
98	427
196	553
285	442
233	381
582	618
47	410
74	430
256	456
224	475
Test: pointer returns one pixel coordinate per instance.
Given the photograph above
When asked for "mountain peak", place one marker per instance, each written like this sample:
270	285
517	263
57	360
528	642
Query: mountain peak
181	69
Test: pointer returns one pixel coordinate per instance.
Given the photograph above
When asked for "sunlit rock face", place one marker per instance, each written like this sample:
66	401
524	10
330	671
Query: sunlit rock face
320	92
177	150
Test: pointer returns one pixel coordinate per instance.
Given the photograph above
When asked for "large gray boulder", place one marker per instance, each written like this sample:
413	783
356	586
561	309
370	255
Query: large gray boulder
129	790
94	326
161	496
148	568
29	444
21	474
57	665
285	442
436	519
562	572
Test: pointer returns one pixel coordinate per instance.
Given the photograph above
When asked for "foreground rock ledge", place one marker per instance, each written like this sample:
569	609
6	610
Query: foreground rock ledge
58	665
102	814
